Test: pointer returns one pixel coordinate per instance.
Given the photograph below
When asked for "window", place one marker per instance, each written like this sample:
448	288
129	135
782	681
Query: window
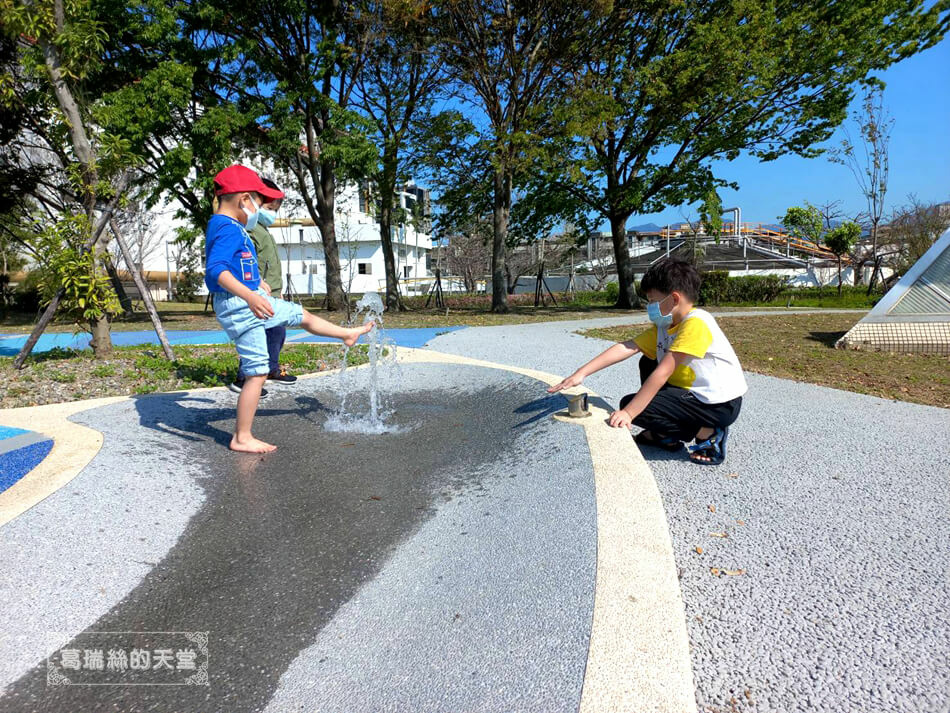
402	253
364	268
405	271
363	193
301	235
314	268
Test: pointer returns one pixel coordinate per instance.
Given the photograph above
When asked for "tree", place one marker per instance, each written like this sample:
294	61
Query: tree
292	70
831	213
311	53
912	230
510	59
804	223
600	260
182	120
667	88
840	240
141	229
63	48
869	162
467	254
395	90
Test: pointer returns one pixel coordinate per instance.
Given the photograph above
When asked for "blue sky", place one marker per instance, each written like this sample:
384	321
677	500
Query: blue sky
918	99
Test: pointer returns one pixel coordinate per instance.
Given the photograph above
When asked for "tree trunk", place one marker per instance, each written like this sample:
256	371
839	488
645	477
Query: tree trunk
874	260
326	201
500	213
336	295
511	280
101	342
839	276
393	299
387	188
875	271
124	298
143	289
101	338
627	298
34	337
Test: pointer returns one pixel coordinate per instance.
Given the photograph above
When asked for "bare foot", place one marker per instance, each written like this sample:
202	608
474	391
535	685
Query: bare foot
356	333
251	445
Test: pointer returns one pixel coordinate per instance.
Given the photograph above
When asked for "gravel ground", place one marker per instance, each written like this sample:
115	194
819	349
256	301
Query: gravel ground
835	508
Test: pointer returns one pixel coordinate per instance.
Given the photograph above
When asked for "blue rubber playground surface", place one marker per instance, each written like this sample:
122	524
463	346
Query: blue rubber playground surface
20	452
10	344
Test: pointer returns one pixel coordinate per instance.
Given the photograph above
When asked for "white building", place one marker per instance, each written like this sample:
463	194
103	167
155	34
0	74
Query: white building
303	263
362	265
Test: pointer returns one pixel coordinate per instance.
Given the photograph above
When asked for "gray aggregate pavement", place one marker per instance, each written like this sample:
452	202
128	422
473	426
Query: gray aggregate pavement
468	586
844	603
447	566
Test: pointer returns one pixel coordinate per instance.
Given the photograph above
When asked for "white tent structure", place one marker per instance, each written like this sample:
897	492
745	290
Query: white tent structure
914	316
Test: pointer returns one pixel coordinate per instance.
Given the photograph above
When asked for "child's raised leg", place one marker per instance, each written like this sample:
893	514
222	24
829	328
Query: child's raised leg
243	440
318	325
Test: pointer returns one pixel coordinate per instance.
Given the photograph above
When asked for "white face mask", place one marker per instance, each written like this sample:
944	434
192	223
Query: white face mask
251	217
267	217
662	321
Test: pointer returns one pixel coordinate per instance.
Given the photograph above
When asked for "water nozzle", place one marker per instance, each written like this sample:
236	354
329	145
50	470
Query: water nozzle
577	406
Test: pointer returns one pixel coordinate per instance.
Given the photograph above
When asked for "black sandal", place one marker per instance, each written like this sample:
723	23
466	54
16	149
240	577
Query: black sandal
667	443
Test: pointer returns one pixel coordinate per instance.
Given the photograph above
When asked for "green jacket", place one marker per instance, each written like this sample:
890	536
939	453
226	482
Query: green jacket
268	259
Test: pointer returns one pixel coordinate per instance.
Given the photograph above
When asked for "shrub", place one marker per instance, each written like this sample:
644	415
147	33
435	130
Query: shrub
25	297
718	288
612	291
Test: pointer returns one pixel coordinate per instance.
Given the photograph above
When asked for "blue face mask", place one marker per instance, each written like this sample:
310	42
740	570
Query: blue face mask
662	321
252	218
266	217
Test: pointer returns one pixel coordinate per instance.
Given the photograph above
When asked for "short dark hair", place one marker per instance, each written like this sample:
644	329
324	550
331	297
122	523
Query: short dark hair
228	197
671	274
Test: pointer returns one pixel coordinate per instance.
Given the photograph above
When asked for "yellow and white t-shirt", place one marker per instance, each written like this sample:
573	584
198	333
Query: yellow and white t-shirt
712	371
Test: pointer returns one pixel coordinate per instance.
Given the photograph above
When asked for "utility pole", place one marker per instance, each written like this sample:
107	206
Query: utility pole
168	272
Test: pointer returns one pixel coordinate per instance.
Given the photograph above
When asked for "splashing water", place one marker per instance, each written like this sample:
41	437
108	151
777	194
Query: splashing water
370	306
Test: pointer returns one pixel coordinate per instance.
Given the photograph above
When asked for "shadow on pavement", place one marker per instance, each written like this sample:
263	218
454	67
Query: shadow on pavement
183	416
552	404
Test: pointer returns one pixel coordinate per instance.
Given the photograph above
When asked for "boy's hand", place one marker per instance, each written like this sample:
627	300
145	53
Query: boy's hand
265	287
621	419
260	305
572	380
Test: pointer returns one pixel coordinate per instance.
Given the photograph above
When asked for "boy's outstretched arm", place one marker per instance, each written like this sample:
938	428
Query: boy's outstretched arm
617	353
623	418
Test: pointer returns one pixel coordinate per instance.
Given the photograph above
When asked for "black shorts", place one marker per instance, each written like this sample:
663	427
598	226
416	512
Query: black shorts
676	412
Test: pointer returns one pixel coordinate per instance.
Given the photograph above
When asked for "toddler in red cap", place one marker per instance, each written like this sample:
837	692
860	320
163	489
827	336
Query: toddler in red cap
242	301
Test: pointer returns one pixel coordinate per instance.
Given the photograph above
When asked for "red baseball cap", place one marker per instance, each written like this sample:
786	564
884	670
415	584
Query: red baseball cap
238	178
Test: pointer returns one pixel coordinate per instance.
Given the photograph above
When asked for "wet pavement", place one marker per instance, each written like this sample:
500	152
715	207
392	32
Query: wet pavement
446	566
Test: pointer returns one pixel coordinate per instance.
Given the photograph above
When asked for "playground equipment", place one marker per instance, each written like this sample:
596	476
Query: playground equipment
914	316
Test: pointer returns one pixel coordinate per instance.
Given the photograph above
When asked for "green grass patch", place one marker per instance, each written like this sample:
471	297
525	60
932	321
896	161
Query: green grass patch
812	297
145	370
